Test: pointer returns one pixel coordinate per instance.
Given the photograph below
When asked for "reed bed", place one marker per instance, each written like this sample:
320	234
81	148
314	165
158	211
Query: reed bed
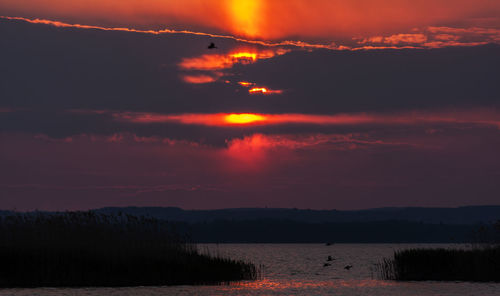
82	249
480	264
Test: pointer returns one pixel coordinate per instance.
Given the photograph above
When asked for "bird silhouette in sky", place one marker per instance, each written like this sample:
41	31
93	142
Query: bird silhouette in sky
212	46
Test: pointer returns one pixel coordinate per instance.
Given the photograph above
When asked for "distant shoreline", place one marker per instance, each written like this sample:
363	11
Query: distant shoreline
262	225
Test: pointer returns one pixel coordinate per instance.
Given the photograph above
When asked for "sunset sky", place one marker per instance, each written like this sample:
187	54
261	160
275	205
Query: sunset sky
325	104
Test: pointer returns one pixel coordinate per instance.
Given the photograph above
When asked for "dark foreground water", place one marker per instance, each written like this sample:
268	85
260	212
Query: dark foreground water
291	269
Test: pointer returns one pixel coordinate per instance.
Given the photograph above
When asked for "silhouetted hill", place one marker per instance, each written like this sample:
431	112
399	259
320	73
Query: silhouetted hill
462	215
5	213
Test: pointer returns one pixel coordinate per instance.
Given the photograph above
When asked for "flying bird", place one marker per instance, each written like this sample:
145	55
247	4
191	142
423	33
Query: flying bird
212	46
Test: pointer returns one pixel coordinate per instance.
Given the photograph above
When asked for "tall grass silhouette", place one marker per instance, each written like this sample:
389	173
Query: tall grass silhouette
78	249
477	265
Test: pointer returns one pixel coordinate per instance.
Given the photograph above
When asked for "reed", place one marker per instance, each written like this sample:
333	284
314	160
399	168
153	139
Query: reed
81	249
475	265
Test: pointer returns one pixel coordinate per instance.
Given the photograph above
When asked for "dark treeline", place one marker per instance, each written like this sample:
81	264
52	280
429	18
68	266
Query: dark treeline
276	231
460	216
89	249
288	231
271	225
478	265
387	225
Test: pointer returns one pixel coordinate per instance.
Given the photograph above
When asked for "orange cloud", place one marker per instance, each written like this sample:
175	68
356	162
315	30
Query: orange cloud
264	91
397	39
200	79
209	62
436	37
212	63
258	89
246	84
447	36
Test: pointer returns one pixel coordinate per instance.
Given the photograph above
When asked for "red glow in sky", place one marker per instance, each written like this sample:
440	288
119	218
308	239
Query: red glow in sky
199	79
302	93
267	19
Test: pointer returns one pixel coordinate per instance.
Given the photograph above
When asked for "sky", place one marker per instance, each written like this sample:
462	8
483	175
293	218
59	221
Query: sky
301	104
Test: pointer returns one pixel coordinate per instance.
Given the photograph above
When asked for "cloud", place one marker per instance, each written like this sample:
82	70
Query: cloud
117	138
60	24
435	37
255	141
469	117
261	142
420	37
210	62
129	190
265	91
397	39
473	36
199	79
146	78
211	65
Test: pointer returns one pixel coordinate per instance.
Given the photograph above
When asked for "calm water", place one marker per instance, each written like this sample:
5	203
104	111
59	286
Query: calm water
298	270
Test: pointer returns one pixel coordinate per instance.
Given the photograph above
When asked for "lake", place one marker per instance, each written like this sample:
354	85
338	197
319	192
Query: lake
298	269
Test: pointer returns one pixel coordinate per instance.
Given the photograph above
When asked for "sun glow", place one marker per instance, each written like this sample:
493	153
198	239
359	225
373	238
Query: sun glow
245	16
245	83
264	91
244	56
258	90
245	118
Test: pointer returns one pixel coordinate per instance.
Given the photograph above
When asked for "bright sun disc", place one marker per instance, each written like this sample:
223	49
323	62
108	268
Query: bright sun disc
243	118
244	55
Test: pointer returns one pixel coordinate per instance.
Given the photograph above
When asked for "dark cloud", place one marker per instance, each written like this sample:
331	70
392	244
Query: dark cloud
62	68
